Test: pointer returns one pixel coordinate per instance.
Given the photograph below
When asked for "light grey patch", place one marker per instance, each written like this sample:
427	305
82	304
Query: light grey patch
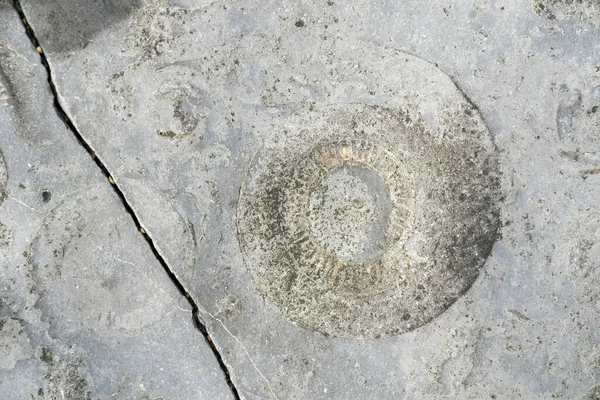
122	95
454	372
354	228
14	343
171	232
310	196
295	372
229	307
569	108
583	256
83	277
65	381
212	157
3	95
155	31
3	179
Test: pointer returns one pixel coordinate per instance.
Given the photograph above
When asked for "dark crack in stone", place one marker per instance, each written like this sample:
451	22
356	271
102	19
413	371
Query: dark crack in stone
359	221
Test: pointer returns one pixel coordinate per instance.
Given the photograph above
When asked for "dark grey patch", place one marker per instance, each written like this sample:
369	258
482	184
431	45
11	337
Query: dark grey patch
577	156
46	355
46	195
438	232
70	24
167	134
5	236
193	232
23	102
299	24
584	173
540	7
6	90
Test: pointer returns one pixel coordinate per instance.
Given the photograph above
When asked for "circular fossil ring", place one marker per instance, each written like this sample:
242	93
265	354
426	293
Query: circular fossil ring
366	221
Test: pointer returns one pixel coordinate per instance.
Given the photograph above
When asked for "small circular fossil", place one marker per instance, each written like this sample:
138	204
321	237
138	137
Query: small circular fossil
366	220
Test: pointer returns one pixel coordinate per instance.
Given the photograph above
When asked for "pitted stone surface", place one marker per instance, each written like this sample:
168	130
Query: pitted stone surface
307	252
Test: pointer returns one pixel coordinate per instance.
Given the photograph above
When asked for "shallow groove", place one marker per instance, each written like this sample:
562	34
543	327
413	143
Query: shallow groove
67	121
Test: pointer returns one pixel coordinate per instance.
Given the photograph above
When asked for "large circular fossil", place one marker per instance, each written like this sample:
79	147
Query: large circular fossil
369	220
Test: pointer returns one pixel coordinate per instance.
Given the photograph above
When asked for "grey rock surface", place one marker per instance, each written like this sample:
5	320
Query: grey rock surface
182	100
86	310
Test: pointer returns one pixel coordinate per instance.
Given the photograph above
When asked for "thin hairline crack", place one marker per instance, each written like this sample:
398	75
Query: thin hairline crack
100	164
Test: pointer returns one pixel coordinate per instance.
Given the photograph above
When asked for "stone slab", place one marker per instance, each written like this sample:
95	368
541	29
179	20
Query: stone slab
180	99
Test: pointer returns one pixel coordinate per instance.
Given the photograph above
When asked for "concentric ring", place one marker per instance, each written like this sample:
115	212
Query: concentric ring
441	226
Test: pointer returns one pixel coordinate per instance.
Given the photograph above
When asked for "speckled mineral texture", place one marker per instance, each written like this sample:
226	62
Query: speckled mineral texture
439	161
86	311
